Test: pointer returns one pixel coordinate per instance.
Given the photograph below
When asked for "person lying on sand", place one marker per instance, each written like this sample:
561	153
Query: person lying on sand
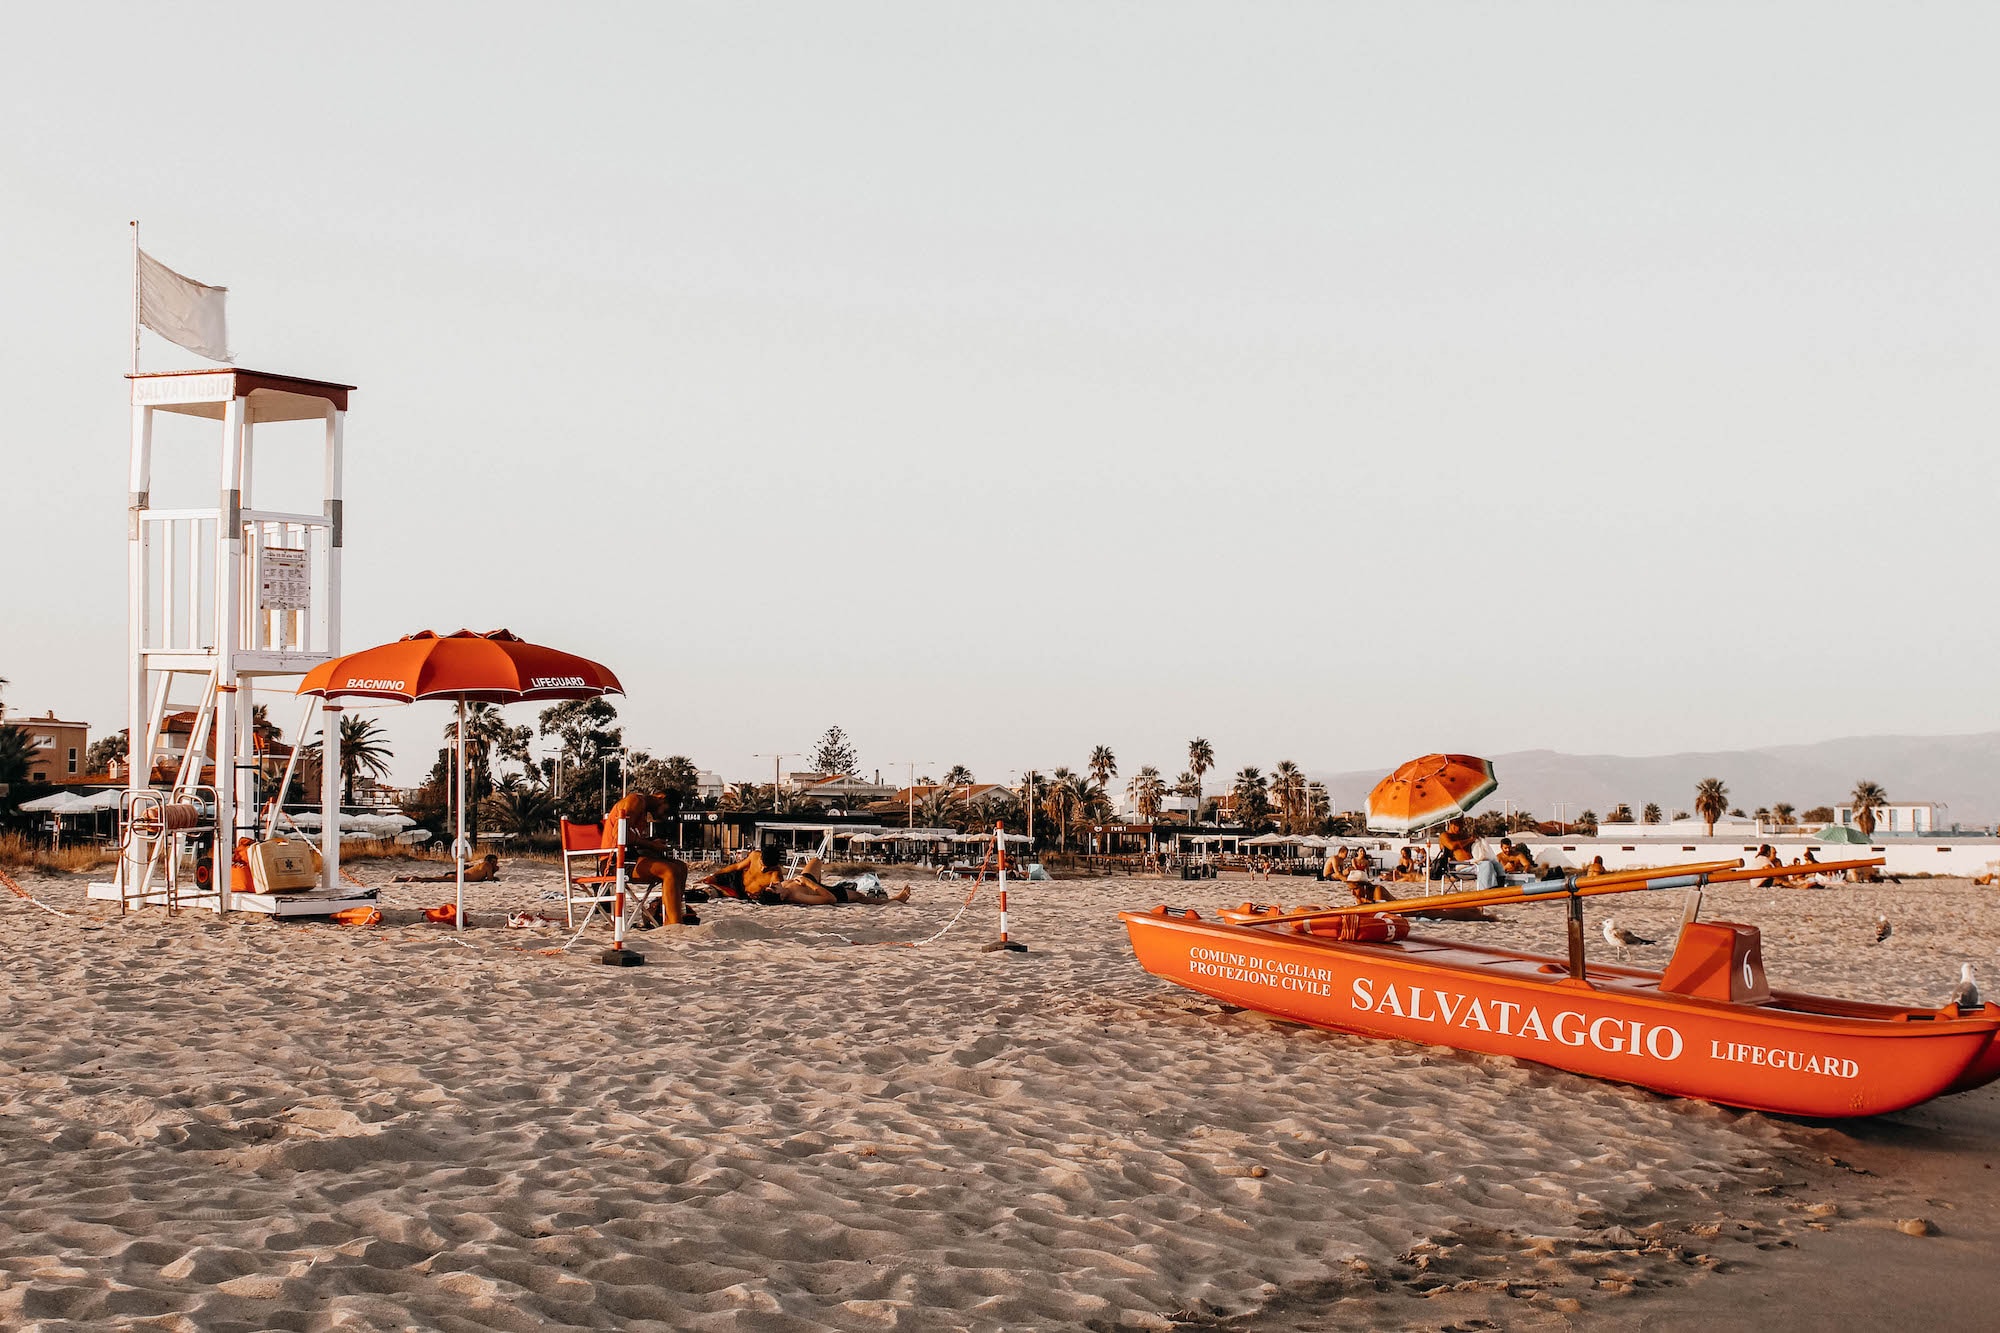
809	889
747	877
1366	890
485	869
756	878
647	859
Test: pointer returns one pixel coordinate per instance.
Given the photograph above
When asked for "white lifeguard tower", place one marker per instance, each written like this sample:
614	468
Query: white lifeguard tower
222	601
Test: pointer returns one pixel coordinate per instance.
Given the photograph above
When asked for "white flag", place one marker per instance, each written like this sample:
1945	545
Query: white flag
182	310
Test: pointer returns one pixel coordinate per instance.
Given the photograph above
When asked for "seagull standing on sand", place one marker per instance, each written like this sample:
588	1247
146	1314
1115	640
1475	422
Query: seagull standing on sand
1882	928
1967	994
1618	935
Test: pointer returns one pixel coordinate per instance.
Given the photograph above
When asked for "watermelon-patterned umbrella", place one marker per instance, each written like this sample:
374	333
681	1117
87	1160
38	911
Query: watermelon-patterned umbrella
1429	791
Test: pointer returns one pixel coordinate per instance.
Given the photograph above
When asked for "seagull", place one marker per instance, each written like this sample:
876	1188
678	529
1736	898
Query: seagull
1882	929
1618	935
1967	994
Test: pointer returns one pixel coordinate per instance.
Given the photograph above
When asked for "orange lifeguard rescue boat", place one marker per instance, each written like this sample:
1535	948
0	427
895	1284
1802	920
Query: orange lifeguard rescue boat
1708	1026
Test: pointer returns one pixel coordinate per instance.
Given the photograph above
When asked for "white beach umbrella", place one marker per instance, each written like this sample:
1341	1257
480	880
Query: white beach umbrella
61	803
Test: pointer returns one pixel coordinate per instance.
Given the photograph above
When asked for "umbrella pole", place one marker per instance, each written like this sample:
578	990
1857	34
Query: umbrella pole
458	848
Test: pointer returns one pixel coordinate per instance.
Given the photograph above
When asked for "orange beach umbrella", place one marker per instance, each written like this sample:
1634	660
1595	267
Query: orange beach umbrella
1429	791
496	667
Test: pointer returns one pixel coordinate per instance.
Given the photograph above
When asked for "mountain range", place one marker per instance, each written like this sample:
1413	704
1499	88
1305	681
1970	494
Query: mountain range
1961	773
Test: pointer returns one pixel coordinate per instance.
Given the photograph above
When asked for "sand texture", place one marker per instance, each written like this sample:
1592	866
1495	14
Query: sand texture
784	1122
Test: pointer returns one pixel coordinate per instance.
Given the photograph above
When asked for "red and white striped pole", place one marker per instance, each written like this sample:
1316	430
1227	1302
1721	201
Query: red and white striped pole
618	955
1003	944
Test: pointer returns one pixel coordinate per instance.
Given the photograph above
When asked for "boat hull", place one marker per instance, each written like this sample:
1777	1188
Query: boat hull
1844	1060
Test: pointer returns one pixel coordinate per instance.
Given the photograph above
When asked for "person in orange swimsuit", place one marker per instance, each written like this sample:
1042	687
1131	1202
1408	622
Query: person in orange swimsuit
647	859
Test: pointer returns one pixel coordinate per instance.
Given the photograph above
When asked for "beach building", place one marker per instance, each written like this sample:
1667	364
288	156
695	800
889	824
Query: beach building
838	791
1729	826
709	835
1907	854
1917	817
55	747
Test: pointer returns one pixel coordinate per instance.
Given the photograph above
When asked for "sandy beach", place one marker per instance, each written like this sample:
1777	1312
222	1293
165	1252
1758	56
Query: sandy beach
786	1121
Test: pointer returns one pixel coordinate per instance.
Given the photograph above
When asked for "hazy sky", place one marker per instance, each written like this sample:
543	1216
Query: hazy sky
1335	381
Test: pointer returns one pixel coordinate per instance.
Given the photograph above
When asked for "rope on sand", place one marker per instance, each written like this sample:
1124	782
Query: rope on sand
20	892
912	944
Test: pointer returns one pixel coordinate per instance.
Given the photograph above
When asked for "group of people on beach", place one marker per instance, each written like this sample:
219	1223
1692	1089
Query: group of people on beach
758	876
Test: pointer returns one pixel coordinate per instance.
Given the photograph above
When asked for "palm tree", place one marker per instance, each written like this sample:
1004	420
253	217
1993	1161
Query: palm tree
1782	813
263	731
1103	765
1253	801
1652	813
1621	813
941	809
521	809
1060	803
747	797
1711	798
1867	799
363	749
1201	758
488	738
1092	800
958	776
1289	790
1146	789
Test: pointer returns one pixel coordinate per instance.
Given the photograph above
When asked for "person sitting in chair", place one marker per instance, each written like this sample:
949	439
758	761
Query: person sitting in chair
647	859
484	870
1455	839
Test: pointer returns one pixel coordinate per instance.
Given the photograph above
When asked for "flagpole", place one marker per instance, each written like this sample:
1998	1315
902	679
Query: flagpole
135	296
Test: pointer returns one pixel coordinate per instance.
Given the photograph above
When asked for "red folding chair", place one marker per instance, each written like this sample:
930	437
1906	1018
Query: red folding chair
590	875
590	870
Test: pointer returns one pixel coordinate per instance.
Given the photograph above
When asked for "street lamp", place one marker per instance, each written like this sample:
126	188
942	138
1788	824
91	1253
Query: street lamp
911	787
777	762
604	777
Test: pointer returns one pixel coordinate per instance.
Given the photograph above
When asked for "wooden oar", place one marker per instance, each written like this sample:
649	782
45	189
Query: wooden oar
1630	881
1503	893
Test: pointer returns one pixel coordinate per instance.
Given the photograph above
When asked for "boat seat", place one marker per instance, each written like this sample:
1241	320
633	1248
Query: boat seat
1718	960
